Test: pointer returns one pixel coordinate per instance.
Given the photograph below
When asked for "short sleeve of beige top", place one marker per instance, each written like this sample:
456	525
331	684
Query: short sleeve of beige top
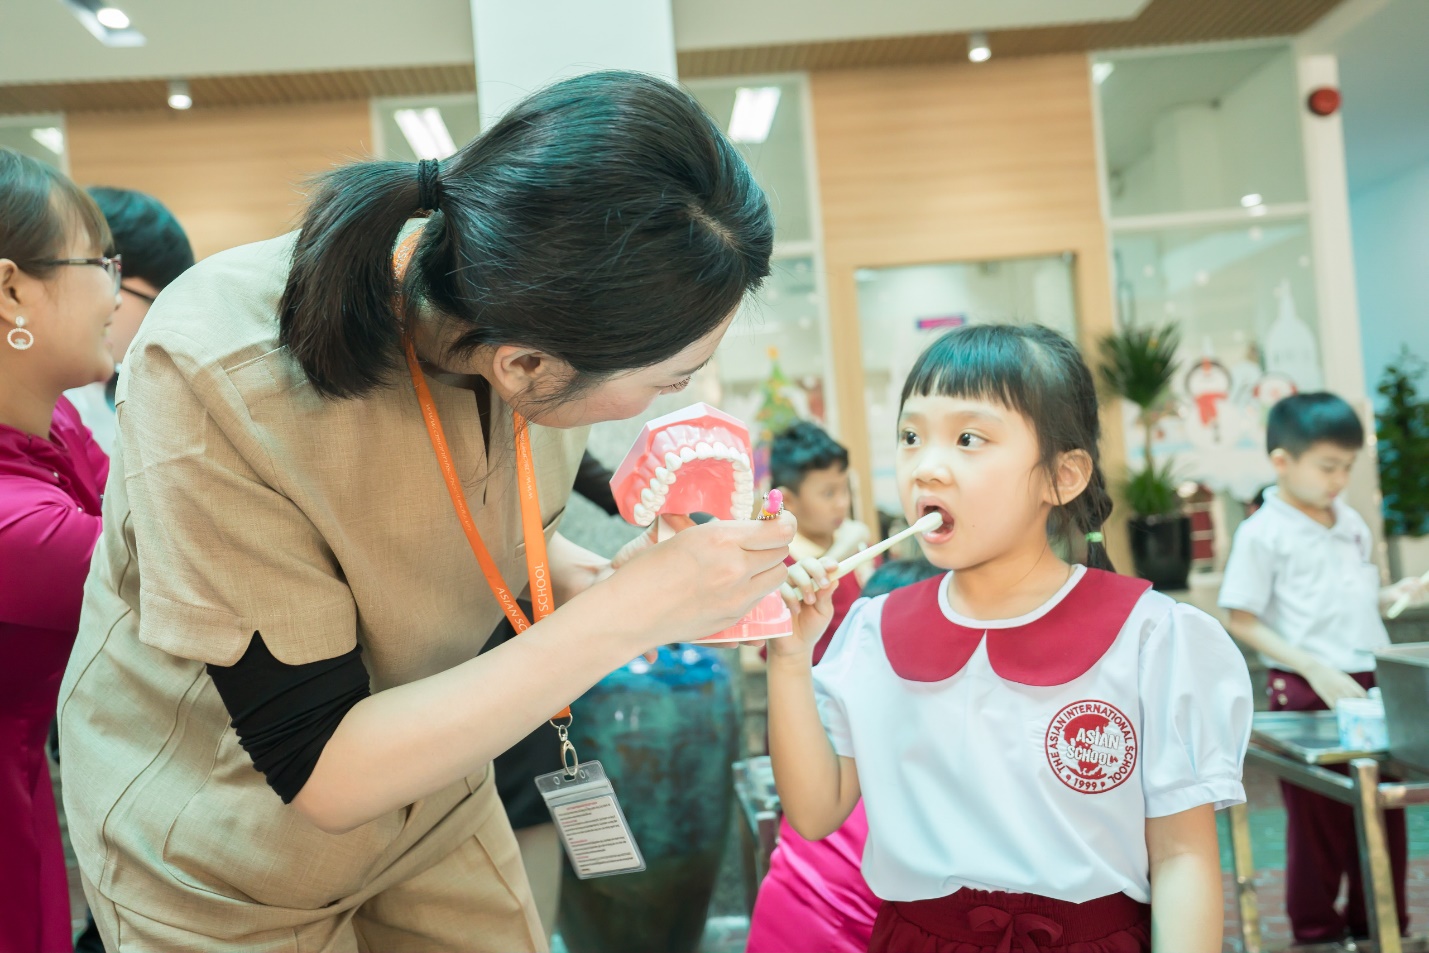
241	500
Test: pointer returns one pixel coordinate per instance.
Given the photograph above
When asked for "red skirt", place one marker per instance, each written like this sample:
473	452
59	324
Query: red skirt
980	921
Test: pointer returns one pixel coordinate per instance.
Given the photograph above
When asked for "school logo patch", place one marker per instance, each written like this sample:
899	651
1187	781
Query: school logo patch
1091	746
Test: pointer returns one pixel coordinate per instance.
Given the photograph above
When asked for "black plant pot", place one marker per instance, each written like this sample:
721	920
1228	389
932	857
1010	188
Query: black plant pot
1161	550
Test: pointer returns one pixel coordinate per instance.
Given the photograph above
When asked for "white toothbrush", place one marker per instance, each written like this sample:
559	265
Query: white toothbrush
927	524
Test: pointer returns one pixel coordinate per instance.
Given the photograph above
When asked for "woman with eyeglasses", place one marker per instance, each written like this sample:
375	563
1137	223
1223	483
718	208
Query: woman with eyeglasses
156	251
57	296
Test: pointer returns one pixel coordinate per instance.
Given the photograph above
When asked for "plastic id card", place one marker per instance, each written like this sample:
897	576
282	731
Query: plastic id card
592	825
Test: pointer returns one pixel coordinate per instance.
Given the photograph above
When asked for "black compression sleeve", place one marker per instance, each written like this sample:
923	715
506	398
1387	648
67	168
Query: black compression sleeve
593	483
285	714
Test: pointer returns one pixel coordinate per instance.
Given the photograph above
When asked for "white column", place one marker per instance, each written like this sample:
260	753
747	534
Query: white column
1340	344
1329	196
522	45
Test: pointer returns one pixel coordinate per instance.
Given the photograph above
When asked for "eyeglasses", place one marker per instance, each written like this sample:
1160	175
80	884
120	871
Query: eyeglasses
113	266
149	299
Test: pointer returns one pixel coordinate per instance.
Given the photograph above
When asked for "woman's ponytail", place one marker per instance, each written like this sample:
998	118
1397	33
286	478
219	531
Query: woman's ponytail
338	313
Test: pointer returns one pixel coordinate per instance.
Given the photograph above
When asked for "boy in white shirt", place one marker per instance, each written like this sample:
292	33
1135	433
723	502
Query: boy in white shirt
1302	589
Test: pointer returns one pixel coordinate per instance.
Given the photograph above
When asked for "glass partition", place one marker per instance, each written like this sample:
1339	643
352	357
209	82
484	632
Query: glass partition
39	137
903	310
1195	130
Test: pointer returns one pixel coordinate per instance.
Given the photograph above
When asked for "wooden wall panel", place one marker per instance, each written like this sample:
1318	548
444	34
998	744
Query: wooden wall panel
231	176
958	163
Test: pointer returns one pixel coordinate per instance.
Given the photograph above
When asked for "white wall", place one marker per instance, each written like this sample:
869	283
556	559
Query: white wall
1207	156
521	47
1391	238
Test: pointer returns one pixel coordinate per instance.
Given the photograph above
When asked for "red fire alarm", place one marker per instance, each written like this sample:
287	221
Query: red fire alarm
1324	101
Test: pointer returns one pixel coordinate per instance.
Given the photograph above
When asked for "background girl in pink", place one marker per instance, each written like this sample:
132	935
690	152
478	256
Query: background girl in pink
814	896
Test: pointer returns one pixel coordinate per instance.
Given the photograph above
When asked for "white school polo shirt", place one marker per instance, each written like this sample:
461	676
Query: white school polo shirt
1313	584
1024	755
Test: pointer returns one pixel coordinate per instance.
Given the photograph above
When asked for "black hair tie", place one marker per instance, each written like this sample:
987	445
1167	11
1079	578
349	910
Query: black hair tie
429	185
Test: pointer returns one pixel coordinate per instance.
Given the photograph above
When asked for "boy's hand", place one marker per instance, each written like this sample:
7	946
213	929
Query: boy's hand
809	593
1331	684
1412	587
850	537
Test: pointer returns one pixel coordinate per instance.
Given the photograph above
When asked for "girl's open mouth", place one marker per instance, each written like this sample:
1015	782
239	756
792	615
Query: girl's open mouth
942	534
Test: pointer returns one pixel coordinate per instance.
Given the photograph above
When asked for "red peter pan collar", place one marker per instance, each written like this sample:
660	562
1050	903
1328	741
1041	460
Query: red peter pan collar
1062	644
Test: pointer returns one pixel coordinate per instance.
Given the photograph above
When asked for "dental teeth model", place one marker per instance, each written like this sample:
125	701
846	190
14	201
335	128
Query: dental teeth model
697	460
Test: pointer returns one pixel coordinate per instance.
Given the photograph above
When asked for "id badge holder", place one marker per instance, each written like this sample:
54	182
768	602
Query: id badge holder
592	826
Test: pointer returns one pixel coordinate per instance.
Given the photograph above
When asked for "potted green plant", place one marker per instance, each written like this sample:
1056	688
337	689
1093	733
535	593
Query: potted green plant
1138	365
1402	428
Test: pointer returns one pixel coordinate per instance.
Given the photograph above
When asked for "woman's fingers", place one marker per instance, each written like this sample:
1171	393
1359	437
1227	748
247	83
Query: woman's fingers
767	534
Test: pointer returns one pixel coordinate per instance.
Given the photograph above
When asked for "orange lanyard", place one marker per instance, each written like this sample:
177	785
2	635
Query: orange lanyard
537	566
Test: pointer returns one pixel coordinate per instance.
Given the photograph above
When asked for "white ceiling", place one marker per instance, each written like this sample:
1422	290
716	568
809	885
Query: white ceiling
40	40
714	24
1384	78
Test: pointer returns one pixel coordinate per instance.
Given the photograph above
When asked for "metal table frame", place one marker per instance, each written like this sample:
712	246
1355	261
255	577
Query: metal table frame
1364	789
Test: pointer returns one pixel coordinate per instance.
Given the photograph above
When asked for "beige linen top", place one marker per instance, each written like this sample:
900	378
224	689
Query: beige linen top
241	500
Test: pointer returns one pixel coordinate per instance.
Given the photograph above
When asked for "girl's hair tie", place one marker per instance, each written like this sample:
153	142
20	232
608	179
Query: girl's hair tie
1095	538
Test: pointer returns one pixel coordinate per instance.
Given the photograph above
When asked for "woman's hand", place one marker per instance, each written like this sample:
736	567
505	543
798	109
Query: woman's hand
809	593
701	581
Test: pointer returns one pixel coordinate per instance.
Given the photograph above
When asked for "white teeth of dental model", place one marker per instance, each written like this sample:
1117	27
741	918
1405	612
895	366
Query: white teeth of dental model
721	451
647	498
657	487
672	462
643	516
687	454
664	476
703	451
741	462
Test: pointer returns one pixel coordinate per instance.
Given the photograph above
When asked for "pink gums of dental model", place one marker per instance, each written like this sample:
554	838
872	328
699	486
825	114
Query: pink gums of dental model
698	460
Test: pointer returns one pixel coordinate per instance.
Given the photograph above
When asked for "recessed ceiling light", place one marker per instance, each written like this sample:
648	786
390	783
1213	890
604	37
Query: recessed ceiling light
1253	199
112	18
106	23
978	50
179	95
1100	71
753	116
425	132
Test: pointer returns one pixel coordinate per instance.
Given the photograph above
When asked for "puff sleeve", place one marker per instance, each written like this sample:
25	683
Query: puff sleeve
834	673
1197	706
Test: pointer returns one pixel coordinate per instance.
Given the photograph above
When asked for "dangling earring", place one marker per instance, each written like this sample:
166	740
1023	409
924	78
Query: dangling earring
19	338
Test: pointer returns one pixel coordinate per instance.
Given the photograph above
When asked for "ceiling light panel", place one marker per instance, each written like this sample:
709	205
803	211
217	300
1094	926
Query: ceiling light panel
753	116
426	132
